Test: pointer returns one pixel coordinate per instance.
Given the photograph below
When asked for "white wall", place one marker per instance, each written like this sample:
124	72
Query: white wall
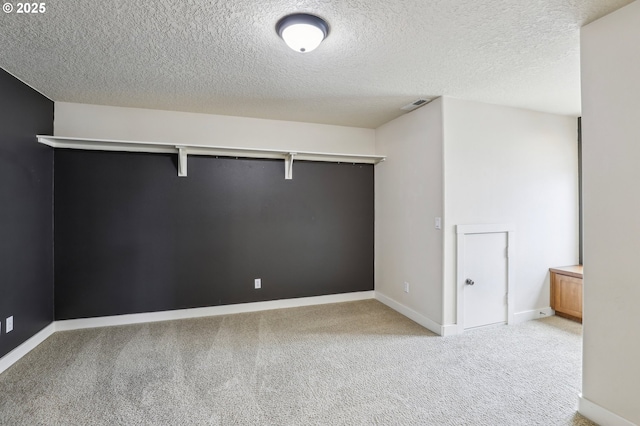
408	189
135	124
508	165
611	174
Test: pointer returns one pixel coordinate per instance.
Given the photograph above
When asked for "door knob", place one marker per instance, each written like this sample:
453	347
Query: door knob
469	281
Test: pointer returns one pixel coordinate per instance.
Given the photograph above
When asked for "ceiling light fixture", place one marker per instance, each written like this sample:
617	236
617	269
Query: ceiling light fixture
302	32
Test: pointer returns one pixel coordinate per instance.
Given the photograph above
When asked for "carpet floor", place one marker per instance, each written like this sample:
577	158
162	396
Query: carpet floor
357	363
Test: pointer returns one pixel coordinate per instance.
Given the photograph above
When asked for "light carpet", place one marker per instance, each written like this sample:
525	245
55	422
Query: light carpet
357	363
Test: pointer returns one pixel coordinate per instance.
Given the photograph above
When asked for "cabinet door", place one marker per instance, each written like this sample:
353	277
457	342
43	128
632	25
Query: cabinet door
568	295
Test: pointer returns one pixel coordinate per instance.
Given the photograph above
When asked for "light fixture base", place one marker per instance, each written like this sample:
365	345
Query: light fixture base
302	32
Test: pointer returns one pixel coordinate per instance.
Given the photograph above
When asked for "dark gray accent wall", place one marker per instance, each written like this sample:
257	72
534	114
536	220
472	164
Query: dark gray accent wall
26	212
131	236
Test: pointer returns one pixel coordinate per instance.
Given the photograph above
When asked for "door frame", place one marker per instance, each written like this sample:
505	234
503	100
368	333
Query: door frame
464	230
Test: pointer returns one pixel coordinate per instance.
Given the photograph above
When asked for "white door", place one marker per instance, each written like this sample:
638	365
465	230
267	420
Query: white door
485	279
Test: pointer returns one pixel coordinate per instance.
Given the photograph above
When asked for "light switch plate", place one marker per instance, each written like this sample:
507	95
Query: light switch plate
9	324
258	282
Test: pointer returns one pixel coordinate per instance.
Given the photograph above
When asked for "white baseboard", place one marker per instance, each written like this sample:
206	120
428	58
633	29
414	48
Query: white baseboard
12	357
524	316
451	330
410	313
76	324
520	317
600	415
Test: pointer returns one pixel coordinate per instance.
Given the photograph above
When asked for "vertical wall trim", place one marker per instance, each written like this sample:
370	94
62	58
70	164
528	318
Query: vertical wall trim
580	237
443	223
53	230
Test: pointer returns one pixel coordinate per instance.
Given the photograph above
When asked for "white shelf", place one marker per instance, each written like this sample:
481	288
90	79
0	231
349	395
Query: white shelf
184	150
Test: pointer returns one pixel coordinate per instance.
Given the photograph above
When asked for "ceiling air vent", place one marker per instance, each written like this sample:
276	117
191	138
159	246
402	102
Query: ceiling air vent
415	104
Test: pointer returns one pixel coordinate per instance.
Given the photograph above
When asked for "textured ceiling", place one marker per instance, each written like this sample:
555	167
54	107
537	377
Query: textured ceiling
224	56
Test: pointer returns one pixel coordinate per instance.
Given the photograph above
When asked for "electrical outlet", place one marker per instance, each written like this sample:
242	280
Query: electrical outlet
406	287
9	324
258	282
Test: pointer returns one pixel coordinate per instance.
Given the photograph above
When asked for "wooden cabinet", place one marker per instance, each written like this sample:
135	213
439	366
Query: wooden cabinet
566	291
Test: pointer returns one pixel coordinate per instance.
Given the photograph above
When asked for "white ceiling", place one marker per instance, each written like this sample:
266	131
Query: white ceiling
224	56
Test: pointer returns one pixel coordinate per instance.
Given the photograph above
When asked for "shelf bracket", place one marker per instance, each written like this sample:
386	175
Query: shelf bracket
182	161
288	165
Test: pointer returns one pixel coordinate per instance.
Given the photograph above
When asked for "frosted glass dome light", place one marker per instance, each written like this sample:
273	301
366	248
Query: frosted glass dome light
302	37
302	32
